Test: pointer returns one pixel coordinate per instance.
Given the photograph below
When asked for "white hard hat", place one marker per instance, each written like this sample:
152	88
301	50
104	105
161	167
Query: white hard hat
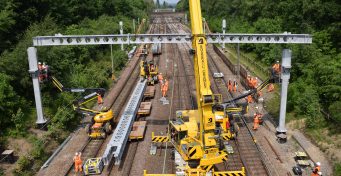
254	114
277	61
76	153
39	62
256	78
318	163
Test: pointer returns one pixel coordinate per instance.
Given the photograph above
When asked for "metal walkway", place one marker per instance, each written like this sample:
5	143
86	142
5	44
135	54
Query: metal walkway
118	141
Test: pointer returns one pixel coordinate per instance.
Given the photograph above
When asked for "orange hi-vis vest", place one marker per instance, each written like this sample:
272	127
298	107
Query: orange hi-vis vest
159	77
276	67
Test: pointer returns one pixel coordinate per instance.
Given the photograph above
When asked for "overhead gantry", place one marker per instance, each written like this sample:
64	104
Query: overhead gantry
200	143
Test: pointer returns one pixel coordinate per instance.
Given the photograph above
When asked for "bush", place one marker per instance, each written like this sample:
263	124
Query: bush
337	169
23	166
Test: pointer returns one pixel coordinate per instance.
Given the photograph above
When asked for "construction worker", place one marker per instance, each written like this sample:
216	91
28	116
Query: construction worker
255	122
164	88
271	87
254	82
45	68
40	71
276	68
40	66
78	162
160	78
260	118
249	99
229	86
152	68
146	69
99	99
317	168
249	81
235	86
259	94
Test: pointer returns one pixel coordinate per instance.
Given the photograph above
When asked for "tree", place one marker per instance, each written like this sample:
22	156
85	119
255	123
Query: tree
19	121
9	101
158	5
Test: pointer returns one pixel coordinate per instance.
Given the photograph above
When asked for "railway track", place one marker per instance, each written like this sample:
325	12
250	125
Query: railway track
93	147
247	153
127	165
250	154
89	150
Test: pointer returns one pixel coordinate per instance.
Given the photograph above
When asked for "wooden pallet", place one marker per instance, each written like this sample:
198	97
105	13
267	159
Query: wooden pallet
150	92
145	108
137	132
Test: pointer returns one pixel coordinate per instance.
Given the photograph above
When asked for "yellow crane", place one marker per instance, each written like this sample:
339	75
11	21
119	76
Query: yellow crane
197	139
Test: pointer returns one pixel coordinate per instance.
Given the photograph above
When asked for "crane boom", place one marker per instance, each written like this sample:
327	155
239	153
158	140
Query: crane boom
205	98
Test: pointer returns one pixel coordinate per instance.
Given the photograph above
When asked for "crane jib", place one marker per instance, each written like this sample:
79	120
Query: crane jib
203	66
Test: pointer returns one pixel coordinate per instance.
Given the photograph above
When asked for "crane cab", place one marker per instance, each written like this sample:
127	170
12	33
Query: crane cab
184	133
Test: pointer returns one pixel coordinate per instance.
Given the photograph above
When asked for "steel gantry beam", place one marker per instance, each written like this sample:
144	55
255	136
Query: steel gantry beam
118	141
58	40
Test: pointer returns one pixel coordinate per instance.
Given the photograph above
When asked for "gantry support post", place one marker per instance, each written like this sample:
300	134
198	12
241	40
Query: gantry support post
33	65
121	32
285	76
224	29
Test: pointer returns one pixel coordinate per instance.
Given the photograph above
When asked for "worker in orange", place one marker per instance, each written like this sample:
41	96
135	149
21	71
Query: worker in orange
164	88
271	87
99	99
317	168
78	162
255	121
249	81
160	78
259	93
235	86
254	82
249	99
229	86
276	68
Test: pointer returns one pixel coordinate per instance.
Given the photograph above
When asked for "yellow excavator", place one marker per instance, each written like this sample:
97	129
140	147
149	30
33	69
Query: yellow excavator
102	121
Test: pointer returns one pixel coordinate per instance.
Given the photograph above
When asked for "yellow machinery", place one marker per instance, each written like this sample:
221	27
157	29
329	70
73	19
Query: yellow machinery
102	122
197	134
149	71
93	166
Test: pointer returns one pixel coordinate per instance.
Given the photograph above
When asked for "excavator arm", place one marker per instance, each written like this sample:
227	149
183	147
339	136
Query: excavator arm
61	88
250	92
78	105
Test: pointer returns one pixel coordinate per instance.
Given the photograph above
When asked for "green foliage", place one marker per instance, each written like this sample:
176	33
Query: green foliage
74	66
9	101
316	81
337	169
23	166
335	111
19	122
